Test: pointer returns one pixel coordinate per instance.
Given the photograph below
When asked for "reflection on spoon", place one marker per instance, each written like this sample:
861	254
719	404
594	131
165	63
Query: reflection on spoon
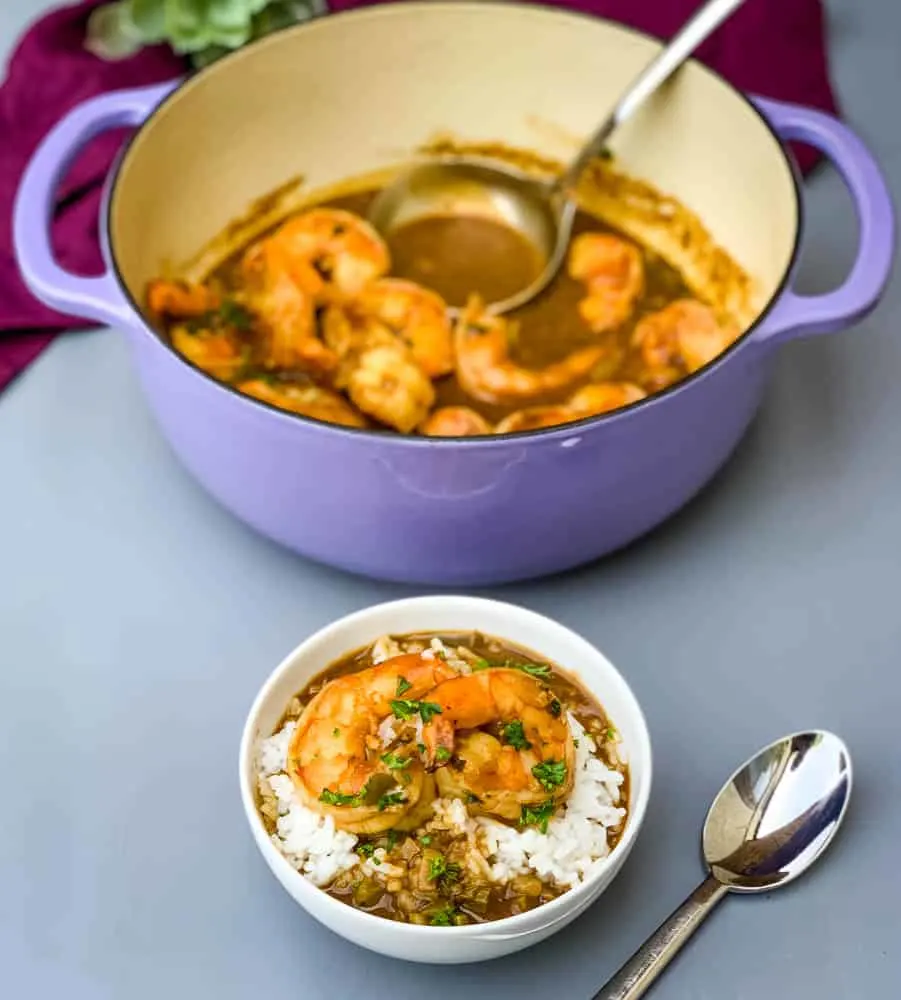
769	823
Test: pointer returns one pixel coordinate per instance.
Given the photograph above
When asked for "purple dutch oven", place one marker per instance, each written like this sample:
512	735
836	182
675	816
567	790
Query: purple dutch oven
356	93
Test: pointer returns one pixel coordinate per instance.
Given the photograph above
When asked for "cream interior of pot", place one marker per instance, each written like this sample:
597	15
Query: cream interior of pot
359	93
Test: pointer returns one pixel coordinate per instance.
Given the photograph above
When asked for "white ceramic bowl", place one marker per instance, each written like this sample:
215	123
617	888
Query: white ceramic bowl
547	638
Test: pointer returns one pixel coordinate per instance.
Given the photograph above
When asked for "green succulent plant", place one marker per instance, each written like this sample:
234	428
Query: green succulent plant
200	29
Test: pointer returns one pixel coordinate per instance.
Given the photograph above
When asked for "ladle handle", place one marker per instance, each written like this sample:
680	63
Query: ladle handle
642	969
700	26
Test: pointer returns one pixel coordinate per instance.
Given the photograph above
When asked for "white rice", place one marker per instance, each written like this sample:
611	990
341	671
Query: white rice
384	648
576	838
310	842
387	733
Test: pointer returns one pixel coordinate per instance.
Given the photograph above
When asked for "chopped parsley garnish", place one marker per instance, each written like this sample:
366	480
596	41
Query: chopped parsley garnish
611	733
539	670
404	709
428	709
515	735
555	708
395	763
331	798
576	744
445	917
538	816
442	754
391	799
336	731
420	747
394	838
550	774
534	669
365	850
235	315
402	685
471	799
440	869
425	840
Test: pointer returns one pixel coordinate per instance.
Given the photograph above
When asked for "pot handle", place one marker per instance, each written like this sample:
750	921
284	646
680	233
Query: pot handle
99	298
802	315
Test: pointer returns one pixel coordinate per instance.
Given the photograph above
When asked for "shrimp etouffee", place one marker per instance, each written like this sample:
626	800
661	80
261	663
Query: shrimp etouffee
323	318
444	780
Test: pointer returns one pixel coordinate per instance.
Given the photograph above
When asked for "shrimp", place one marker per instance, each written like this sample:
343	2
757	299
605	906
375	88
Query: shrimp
343	249
486	371
387	384
219	352
589	401
534	418
418	317
601	397
336	757
377	369
455	421
307	400
684	335
181	300
613	273
701	337
530	762
346	329
284	294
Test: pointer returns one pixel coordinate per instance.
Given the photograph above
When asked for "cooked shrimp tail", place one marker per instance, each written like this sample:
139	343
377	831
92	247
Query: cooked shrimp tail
283	293
418	317
307	400
181	300
529	761
455	421
377	369
344	249
680	338
335	757
613	273
486	371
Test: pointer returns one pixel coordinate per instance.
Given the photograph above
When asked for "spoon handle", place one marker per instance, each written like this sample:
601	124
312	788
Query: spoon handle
642	969
700	25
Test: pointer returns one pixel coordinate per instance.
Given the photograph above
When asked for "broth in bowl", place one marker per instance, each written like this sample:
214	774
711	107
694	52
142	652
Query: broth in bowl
443	779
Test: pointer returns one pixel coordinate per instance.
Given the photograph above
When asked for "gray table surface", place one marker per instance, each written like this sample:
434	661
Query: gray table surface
137	621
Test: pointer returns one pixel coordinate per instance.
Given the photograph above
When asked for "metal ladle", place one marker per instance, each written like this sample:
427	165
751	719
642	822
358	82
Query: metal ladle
770	822
542	210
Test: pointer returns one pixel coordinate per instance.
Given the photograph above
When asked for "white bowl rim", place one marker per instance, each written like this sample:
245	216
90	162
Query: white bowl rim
556	909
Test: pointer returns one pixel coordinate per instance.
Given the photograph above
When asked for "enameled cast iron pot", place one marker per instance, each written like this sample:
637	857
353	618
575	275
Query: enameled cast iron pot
359	91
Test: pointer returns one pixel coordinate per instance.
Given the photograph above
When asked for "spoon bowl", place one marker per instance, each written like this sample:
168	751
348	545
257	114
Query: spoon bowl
771	820
778	812
541	211
462	187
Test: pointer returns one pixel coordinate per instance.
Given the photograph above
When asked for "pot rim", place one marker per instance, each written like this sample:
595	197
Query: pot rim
474	441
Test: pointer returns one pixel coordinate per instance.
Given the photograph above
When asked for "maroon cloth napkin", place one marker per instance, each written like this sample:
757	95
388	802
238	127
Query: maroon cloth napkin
775	48
49	73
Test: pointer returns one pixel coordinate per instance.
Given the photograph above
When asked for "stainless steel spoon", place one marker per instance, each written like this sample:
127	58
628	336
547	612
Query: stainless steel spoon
770	822
542	210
